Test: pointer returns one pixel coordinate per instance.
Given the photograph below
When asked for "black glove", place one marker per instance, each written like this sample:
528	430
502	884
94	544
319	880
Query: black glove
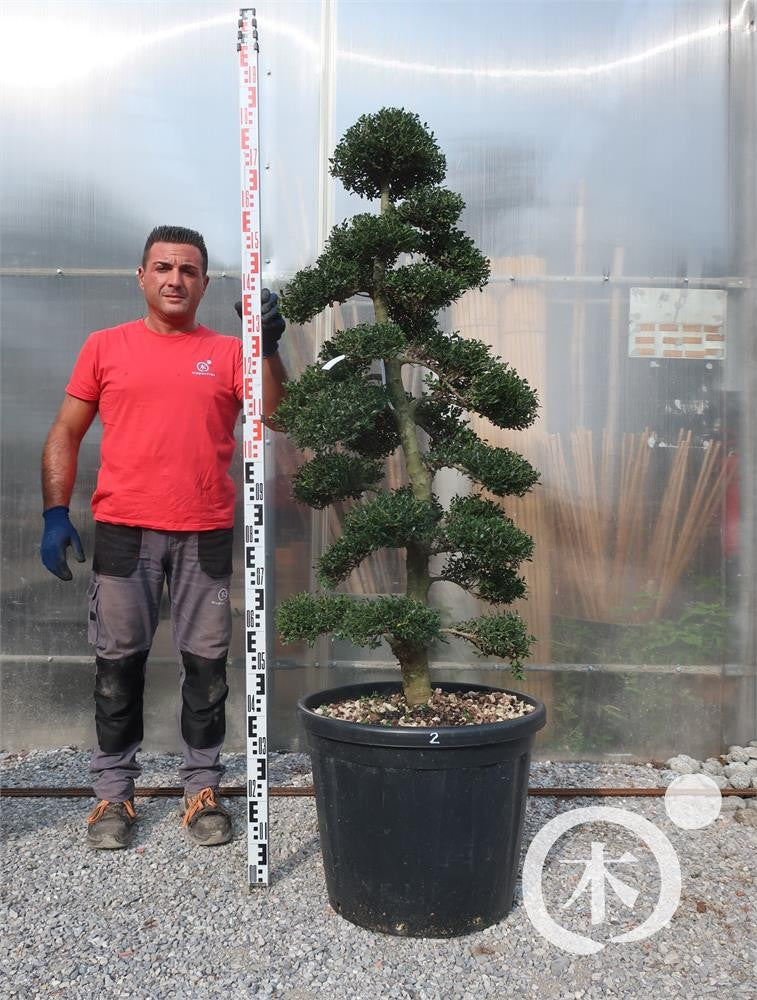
58	535
273	322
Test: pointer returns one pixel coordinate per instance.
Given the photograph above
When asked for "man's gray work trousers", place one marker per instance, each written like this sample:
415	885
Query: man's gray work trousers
129	568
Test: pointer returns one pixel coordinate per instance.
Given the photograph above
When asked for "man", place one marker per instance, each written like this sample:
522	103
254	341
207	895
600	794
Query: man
168	392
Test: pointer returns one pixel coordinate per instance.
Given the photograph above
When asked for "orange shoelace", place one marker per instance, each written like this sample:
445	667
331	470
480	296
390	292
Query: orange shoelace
206	799
99	810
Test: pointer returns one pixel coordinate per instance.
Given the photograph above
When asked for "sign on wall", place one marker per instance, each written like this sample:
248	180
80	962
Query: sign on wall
677	323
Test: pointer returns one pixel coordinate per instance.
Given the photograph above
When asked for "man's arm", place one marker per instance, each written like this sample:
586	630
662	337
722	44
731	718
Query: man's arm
61	452
274	386
59	461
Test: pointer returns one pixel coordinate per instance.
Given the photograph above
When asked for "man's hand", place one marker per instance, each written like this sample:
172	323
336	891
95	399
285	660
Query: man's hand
272	320
58	535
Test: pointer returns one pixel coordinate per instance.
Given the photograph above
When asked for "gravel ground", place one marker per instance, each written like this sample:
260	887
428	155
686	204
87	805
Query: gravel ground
168	920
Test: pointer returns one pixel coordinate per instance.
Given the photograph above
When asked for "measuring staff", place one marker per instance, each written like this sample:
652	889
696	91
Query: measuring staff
168	391
255	633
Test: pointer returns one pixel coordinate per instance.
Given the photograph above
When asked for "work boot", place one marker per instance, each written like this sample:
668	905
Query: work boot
109	825
206	821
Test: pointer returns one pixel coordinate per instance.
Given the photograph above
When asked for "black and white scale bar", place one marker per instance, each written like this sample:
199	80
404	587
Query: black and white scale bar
253	450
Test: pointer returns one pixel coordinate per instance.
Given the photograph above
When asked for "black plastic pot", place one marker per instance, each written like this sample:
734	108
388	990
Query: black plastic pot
420	830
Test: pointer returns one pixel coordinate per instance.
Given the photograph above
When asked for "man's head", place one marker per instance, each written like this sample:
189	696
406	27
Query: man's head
173	276
177	234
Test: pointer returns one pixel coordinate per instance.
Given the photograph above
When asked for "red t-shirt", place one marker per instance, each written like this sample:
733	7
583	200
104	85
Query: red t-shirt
168	405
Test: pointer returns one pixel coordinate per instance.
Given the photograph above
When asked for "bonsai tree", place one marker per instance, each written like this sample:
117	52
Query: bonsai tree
412	261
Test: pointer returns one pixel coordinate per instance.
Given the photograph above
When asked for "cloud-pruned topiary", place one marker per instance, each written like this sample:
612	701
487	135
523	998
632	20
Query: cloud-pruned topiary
412	260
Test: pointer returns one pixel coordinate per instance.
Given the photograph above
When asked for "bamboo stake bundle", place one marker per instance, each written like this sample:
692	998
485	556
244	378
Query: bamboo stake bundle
664	532
608	553
567	517
589	514
634	472
713	477
607	485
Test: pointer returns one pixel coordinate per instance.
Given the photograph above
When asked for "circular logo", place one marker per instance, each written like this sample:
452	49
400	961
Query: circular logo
203	366
223	594
656	841
693	801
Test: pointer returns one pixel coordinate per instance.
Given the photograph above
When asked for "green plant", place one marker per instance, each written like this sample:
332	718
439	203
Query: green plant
603	711
412	261
698	633
586	717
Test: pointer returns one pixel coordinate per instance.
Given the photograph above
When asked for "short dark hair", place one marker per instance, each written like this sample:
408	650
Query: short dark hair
177	234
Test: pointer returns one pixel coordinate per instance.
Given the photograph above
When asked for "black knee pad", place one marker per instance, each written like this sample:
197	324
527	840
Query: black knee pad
119	688
203	716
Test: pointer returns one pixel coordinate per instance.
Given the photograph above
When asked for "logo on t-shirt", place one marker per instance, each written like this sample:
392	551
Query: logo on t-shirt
203	368
223	596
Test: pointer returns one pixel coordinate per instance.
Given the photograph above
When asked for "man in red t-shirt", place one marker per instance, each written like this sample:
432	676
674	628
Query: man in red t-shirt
168	392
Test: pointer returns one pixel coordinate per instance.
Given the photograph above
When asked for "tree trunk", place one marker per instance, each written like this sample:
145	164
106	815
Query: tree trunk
413	660
416	682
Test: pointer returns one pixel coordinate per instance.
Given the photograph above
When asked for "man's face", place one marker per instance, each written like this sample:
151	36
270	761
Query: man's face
173	282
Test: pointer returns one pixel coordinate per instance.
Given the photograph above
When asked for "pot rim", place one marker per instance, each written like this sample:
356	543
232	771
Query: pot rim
446	737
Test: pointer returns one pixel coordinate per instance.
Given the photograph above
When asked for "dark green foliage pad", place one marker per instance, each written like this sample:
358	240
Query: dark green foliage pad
392	147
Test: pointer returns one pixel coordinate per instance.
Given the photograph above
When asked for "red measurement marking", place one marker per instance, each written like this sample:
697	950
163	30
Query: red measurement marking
247	311
254	267
254	351
249	76
254	404
255	424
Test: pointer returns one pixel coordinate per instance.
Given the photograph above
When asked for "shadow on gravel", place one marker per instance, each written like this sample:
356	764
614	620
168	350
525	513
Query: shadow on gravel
283	870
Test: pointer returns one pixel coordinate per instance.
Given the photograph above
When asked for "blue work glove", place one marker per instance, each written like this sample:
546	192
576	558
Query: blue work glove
59	534
273	322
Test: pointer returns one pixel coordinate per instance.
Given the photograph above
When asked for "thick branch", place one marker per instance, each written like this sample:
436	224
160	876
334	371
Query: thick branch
460	635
